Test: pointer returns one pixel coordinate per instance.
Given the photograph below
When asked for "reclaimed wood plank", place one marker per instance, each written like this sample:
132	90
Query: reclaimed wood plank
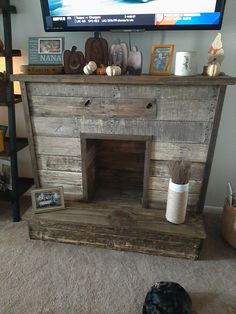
60	177
187	151
110	91
186	109
199	80
52	145
115	242
159	168
161	184
164	131
64	163
111	216
88	106
158	199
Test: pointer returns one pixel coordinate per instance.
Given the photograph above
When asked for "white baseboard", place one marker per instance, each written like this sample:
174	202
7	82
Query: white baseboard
213	209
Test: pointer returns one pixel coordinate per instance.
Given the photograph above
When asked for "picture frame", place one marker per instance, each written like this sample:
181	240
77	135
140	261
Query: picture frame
50	45
46	200
46	50
3	128
161	59
5	171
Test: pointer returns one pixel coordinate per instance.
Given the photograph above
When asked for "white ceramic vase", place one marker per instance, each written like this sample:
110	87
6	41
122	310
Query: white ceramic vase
177	202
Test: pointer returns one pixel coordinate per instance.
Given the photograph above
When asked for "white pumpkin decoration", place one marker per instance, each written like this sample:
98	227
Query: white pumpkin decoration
213	69
118	55
90	68
113	70
135	61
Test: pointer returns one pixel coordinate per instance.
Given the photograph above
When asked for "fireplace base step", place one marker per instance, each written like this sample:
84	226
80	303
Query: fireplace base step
121	228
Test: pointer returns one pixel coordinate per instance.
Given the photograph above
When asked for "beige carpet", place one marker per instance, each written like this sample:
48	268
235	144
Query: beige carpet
45	277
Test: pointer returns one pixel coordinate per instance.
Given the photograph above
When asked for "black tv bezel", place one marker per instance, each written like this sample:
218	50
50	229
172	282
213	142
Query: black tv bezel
220	7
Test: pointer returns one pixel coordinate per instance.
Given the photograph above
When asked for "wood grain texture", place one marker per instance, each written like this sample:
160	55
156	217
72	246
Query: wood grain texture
178	113
93	106
135	229
198	80
52	145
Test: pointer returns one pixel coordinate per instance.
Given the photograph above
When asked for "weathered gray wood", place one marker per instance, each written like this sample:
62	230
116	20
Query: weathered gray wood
165	131
198	80
93	106
197	92
186	151
51	145
158	199
180	109
141	230
29	129
64	163
182	116
161	184
160	169
85	91
60	177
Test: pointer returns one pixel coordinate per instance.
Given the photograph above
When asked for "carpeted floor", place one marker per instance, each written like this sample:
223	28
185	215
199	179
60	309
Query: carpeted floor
45	277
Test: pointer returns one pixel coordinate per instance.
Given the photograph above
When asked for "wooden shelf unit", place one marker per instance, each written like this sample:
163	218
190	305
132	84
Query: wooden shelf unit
13	145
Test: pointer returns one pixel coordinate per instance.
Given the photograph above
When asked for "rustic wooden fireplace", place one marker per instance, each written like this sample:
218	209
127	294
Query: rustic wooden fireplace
107	141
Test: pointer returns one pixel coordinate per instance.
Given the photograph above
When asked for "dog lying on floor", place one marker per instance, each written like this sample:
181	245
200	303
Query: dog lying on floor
167	298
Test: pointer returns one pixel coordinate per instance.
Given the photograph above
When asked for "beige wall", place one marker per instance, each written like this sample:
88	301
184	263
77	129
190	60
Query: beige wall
28	22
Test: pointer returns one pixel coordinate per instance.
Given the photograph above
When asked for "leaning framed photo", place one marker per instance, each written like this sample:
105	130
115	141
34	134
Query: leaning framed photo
3	128
45	200
46	50
5	173
161	59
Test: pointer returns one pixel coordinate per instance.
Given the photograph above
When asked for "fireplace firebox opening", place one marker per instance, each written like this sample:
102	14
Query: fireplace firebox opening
115	168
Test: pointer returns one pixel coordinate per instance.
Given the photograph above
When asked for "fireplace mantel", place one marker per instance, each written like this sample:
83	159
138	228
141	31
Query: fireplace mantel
178	117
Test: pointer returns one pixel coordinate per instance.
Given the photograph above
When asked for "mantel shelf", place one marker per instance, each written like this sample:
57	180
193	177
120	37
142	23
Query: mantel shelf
144	79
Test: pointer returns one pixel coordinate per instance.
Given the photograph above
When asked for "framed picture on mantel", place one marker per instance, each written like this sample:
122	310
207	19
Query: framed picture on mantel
46	50
161	59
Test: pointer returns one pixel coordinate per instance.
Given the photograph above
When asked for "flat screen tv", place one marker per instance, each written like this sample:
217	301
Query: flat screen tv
118	15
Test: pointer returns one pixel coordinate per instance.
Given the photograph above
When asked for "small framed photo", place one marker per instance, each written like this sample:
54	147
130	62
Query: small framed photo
5	172
50	45
161	59
3	128
45	200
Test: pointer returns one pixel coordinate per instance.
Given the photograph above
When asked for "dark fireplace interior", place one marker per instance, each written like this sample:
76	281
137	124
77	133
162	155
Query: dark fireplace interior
114	170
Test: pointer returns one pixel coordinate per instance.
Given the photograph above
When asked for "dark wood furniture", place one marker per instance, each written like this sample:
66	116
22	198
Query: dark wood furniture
13	144
108	141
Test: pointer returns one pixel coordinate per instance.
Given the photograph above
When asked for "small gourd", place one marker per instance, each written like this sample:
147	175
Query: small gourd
213	69
101	70
113	70
90	68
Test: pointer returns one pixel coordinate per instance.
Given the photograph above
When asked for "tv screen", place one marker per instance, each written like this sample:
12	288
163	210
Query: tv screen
105	15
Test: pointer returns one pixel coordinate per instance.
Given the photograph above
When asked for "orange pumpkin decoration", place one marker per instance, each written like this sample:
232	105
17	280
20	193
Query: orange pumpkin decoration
101	70
74	61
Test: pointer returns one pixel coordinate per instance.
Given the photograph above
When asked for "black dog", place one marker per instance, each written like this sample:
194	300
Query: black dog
167	298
